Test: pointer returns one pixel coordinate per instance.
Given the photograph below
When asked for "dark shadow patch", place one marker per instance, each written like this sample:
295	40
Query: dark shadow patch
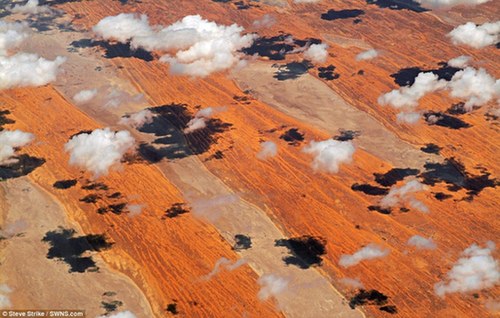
87	131
331	15
398	5
394	175
369	189
293	136
116	195
168	124
390	309
111	306
175	210
346	135
431	148
457	109
172	308
444	120
113	208
442	196
406	76
24	165
218	155
114	50
328	73
453	173
291	70
276	47
64	184
91	198
65	246
95	186
380	209
4	120
371	297
306	250
242	242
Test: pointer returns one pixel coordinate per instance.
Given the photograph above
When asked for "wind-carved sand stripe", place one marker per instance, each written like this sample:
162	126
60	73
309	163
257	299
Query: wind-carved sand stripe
311	101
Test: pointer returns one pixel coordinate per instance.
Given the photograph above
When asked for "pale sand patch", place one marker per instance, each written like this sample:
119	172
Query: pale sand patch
41	283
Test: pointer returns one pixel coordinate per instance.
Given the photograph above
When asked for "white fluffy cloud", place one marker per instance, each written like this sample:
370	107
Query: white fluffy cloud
408	117
99	150
449	3
9	141
271	286
329	154
268	149
4	296
138	119
121	314
352	282
25	69
85	96
199	119
225	263
30	7
476	87
475	270
460	61
370	251
266	21
135	209
12	34
197	47
367	55
317	53
405	194
421	242
476	36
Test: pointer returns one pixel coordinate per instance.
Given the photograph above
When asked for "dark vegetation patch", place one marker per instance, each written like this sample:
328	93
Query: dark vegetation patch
369	189
431	148
394	175
175	210
453	173
242	242
291	70
444	120
4	120
442	196
380	209
331	15
406	76
64	184
293	136
346	135
276	47
114	50
172	308
169	124
328	73
23	166
306	250
66	246
398	5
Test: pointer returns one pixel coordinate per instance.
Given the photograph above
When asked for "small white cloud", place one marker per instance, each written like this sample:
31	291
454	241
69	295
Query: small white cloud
200	118
116	97
475	270
266	21
10	141
24	69
12	34
271	286
306	1
367	55
137	120
404	194
210	208
408	117
476	36
330	154
352	282
85	96
224	263
422	242
268	149
121	314
371	251
30	7
459	61
449	3
135	209
4	296
99	150
317	53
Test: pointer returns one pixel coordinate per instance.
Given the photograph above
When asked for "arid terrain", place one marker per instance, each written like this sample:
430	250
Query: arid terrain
247	215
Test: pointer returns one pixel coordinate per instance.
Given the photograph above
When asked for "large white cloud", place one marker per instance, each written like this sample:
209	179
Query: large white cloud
10	141
370	251
195	46
272	285
12	34
476	87
475	270
476	36
329	154
99	150
317	53
30	7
